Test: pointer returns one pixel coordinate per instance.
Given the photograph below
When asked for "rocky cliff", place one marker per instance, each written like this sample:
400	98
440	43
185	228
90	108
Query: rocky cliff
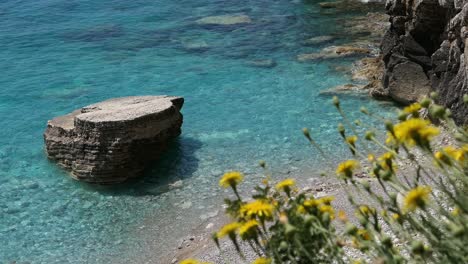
425	49
112	141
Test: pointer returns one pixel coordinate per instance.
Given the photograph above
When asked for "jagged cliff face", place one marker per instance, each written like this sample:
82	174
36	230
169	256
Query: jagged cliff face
425	49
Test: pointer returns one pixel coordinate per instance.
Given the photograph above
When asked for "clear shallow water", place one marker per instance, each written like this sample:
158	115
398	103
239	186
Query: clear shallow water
59	55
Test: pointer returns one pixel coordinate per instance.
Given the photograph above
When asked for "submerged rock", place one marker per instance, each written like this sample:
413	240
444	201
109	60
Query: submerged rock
224	20
112	141
333	52
317	40
196	45
266	63
343	89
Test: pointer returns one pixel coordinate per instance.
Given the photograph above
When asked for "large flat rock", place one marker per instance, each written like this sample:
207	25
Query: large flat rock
112	141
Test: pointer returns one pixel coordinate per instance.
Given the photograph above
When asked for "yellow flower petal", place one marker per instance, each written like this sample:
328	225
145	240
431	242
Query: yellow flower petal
231	179
417	198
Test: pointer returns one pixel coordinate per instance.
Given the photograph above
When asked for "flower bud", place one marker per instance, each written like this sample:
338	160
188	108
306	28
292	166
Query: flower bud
417	247
402	116
425	102
306	132
369	135
448	113
434	95
437	111
364	110
289	229
342	130
351	229
457	230
262	163
336	101
283	246
366	185
465	99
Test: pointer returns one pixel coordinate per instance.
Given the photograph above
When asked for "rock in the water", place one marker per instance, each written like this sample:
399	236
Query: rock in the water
343	89
196	46
112	141
224	20
317	40
333	52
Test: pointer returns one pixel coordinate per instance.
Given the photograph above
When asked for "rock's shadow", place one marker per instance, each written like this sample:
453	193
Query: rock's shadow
177	163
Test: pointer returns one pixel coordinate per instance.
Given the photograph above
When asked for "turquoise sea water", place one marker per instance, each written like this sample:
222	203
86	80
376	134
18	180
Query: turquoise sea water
59	55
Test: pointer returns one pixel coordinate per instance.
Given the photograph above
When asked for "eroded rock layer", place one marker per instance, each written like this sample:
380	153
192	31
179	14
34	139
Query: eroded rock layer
425	50
112	141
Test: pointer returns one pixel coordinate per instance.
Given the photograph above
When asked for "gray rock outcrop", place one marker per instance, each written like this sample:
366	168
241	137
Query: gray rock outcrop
425	49
112	141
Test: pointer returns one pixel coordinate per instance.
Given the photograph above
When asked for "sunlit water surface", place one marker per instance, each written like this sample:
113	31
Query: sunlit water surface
59	55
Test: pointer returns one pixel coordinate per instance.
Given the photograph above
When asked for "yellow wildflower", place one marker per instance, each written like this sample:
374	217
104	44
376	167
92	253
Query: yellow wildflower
450	153
248	228
456	154
412	109
415	131
351	140
417	197
346	168
365	210
231	179
311	203
327	209
386	161
262	261
325	200
387	156
371	157
396	217
301	209
192	261
228	230
285	185
258	208
342	216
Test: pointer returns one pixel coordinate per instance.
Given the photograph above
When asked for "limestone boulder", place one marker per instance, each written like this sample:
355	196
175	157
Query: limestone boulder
114	140
408	83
